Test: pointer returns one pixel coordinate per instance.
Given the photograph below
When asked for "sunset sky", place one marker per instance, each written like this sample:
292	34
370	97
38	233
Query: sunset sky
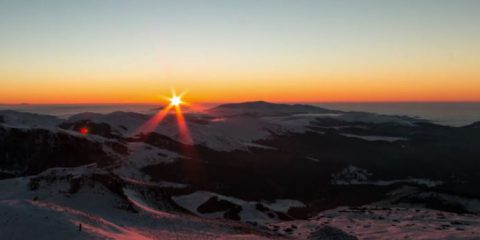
118	51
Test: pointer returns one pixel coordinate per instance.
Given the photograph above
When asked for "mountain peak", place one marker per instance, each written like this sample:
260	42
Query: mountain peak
473	125
265	108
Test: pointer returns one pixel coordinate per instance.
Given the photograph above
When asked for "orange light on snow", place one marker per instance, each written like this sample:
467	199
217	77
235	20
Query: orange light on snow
153	122
192	166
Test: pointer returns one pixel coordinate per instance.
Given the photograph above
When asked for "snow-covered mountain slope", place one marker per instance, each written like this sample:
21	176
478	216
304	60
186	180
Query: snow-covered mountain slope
23	120
265	109
212	205
352	175
122	123
384	222
85	203
217	133
141	155
250	165
231	126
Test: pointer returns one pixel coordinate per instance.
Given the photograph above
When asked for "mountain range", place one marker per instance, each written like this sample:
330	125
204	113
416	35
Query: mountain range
254	170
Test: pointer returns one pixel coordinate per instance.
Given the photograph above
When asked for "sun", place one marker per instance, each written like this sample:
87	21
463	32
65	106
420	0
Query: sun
175	101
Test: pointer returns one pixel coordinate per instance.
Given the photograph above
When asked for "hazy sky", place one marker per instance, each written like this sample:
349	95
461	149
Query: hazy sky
133	51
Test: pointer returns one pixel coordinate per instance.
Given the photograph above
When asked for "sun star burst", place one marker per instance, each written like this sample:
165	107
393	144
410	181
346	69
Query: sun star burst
175	101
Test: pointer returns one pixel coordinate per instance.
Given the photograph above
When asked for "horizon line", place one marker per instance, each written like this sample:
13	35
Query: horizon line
246	101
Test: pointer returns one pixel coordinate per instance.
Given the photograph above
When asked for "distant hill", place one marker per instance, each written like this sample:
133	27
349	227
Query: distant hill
265	108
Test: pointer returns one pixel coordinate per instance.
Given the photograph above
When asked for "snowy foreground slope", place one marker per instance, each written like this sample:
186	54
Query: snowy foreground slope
53	209
247	171
384	222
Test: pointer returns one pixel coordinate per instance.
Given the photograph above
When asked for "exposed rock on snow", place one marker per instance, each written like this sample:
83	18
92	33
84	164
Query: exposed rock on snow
235	208
383	223
330	233
352	175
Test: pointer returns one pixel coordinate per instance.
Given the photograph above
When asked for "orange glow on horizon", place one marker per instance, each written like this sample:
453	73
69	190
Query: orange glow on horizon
127	53
287	90
308	86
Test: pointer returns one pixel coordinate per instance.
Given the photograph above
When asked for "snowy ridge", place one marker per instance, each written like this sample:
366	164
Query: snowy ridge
50	212
72	172
247	211
352	175
123	123
409	196
262	108
23	120
217	129
378	118
283	205
226	135
141	155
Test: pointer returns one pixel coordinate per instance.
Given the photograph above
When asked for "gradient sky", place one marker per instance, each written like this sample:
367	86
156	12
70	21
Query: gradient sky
103	51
